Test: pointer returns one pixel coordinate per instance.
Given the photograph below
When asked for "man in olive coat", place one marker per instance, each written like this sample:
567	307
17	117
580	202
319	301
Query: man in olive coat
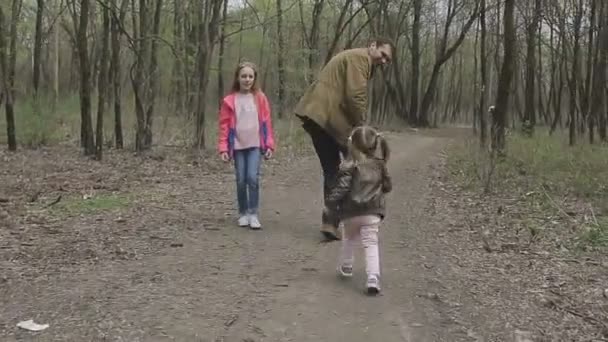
334	104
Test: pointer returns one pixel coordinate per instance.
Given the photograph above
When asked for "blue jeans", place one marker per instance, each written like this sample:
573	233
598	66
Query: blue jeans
247	167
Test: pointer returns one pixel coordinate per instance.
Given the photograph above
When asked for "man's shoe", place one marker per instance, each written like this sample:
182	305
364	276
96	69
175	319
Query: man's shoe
330	232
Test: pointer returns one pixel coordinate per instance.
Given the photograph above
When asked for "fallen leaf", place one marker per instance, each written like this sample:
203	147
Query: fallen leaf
31	326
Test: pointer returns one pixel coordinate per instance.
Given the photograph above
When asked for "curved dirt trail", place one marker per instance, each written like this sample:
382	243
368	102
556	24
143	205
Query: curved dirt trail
316	305
220	282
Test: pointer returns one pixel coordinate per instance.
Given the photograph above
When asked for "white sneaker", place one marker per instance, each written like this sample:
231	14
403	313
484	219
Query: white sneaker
243	221
373	285
345	271
254	222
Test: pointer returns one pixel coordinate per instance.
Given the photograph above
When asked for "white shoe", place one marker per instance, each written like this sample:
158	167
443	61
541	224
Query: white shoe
345	271
243	221
254	222
373	285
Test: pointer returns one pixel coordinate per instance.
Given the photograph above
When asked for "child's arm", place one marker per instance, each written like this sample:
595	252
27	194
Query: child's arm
340	189
224	124
387	182
270	144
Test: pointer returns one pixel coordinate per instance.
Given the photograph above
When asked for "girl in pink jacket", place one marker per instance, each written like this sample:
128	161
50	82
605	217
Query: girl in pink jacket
245	135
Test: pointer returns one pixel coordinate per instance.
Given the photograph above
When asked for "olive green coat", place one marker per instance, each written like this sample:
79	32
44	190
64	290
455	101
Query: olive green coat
337	99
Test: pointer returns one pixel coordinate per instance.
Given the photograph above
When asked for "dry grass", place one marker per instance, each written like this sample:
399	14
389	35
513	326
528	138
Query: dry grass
539	232
48	124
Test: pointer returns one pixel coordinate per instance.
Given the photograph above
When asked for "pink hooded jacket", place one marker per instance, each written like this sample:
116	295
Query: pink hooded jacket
227	123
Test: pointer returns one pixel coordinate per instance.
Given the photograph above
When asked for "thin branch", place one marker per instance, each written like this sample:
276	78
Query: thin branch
121	28
269	19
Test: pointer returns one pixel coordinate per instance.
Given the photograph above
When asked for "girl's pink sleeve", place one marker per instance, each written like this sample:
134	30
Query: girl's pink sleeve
224	128
268	118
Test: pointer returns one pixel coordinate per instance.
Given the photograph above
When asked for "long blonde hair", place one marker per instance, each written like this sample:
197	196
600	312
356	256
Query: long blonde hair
364	142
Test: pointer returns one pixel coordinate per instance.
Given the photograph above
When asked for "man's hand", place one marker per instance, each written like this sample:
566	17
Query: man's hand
268	154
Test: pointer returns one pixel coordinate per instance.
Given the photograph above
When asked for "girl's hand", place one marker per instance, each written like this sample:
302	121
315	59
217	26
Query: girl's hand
268	154
225	157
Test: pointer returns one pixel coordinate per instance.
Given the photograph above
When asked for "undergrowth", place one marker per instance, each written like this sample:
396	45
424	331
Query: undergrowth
71	206
546	173
47	123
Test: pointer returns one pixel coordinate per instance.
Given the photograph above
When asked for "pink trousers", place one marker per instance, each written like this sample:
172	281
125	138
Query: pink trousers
362	229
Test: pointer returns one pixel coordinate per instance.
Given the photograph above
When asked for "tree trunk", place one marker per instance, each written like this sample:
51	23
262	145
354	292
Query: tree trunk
146	78
281	59
415	51
220	59
88	142
573	81
140	81
312	39
530	110
38	47
56	64
178	64
597	114
341	26
102	84
208	25
115	71
8	70
539	74
555	92
476	85
483	99
456	110
586	100
506	77
153	75
443	56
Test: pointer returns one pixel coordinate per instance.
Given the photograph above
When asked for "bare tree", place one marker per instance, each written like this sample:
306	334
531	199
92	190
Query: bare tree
444	53
281	58
312	37
102	87
8	68
178	85
221	57
86	128
531	41
415	50
483	99
38	46
588	82
573	80
506	76
145	80
208	27
598	111
115	69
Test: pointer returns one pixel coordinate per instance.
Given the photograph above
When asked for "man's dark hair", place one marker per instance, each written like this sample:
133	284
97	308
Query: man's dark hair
380	40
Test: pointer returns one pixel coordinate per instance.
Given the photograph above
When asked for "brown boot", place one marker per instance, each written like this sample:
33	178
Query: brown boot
330	232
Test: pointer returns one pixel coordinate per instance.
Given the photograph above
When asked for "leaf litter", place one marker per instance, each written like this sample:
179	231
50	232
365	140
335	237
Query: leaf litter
519	256
64	217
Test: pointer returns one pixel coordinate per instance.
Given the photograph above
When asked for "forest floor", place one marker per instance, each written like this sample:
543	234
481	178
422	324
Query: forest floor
145	248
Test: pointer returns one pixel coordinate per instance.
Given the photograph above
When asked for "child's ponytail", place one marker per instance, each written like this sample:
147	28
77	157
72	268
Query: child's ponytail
384	149
387	183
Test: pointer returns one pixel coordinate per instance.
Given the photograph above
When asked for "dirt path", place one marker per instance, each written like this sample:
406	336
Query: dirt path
319	307
179	269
